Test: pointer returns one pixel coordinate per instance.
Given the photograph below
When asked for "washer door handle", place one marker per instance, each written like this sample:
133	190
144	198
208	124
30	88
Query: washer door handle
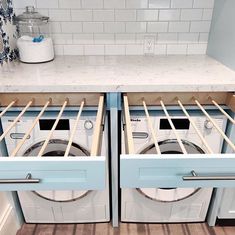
27	180
195	177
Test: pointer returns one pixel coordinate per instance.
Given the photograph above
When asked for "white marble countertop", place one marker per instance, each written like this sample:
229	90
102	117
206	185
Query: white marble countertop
118	74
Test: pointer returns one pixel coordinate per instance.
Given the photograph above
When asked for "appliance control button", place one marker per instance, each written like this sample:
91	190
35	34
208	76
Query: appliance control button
88	125
208	124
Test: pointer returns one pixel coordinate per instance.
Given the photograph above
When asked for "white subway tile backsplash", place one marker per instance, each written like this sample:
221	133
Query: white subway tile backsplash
157	27
203	4
196	49
115	49
159	3
94	50
47	4
125	15
207	14
181	3
179	27
81	15
70	4
176	49
73	50
136	4
109	27
92	4
134	49
114	27
83	38
23	3
191	14
59	49
136	27
160	49
58	14
167	38
169	15
203	37
200	26
114	4
71	27
61	39
92	27
41	11
55	27
188	37
147	15
103	15
125	38
140	37
103	38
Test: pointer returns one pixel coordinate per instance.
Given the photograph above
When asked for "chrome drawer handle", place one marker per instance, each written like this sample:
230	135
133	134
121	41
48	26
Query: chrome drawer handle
195	176
28	180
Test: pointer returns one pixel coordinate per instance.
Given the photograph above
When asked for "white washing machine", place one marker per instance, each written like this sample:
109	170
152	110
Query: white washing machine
59	206
169	205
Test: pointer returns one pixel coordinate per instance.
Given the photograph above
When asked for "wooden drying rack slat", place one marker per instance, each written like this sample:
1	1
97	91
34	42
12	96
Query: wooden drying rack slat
195	127
74	129
16	119
20	144
173	127
96	140
128	131
215	125
53	128
222	111
153	133
7	108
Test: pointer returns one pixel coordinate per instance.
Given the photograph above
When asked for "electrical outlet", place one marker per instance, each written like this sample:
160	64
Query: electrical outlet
149	44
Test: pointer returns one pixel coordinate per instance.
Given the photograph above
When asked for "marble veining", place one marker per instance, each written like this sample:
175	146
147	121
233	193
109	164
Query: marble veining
118	74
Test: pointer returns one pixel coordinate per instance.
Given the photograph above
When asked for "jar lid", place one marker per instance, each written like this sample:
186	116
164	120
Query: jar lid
30	16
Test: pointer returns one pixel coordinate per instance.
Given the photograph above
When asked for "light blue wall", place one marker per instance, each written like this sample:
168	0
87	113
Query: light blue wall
221	44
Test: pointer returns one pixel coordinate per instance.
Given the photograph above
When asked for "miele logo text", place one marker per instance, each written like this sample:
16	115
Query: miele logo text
10	120
135	120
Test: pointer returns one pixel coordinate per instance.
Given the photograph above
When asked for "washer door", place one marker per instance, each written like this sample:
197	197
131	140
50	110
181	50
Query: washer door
170	146
57	148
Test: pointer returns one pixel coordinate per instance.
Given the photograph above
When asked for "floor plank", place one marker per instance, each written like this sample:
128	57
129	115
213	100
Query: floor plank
64	229
125	229
27	229
44	229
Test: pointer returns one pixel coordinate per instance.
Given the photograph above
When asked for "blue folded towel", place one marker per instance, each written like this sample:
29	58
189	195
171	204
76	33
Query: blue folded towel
38	39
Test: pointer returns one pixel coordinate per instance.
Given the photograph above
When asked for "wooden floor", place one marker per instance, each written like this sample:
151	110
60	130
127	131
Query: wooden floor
125	228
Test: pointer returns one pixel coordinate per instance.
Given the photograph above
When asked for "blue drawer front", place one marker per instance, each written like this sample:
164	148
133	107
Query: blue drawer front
151	171
54	173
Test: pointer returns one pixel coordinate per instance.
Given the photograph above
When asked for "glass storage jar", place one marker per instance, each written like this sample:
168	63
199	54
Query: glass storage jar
34	43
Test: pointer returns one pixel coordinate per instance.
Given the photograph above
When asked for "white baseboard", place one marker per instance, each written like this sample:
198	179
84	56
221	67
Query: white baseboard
8	222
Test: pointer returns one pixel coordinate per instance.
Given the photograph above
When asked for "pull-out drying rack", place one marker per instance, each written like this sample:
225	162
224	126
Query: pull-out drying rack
53	172
168	170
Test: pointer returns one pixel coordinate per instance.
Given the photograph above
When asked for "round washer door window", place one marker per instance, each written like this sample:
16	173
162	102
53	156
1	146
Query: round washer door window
170	194
57	148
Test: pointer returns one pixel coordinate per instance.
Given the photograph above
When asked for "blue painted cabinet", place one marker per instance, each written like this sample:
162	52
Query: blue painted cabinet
151	171
54	173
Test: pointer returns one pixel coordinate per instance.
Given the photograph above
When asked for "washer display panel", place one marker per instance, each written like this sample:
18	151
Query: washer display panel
57	147
170	146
